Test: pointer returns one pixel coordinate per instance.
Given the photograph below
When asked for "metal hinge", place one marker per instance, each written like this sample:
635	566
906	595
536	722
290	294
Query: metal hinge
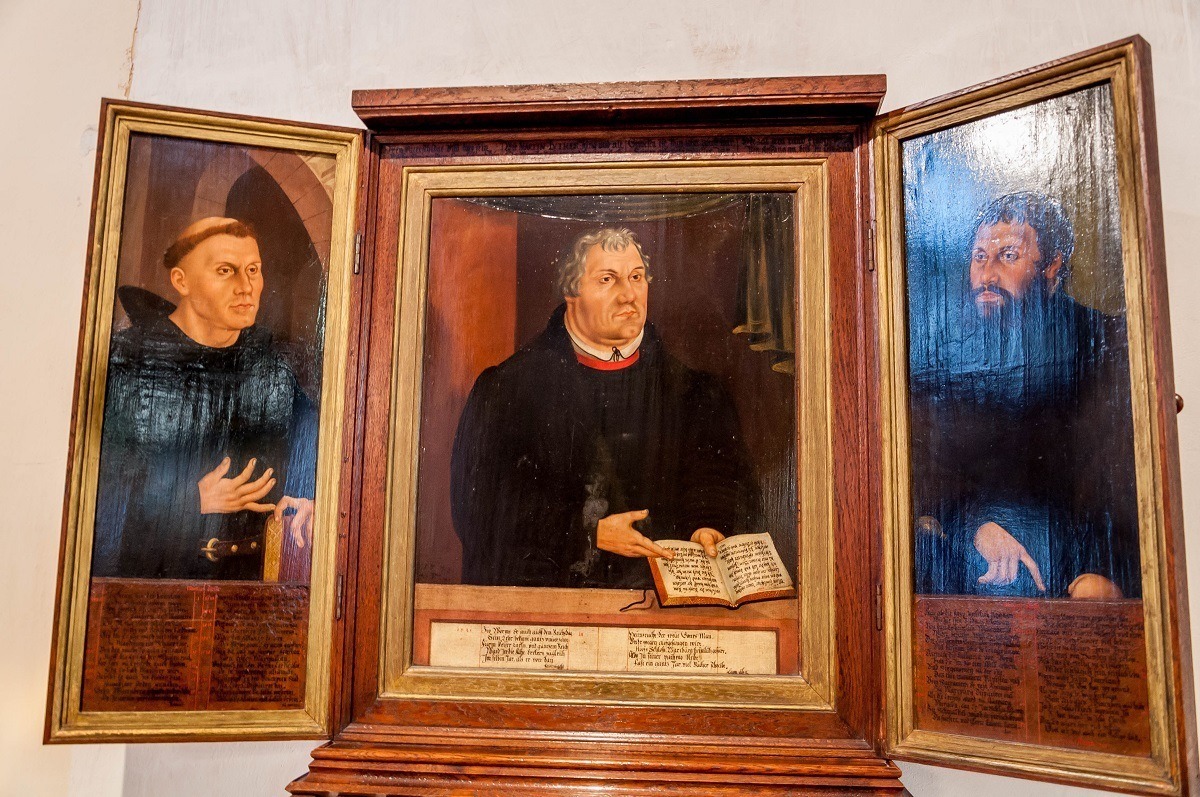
358	239
340	595
879	607
871	246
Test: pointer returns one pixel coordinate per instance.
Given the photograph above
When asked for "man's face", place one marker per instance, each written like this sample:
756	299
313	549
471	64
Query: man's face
1004	266
221	280
610	309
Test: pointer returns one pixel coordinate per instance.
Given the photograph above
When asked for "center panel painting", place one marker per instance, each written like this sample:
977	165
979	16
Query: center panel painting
608	380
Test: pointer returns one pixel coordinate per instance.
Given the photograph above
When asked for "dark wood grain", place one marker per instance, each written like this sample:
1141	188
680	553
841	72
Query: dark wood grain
869	375
855	547
372	430
391	760
342	651
696	101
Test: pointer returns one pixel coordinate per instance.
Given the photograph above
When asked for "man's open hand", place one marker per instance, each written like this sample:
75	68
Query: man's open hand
302	521
708	538
219	495
616	534
1004	556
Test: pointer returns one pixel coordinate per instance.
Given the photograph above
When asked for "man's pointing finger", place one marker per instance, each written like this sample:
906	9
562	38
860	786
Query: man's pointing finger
1033	570
655	550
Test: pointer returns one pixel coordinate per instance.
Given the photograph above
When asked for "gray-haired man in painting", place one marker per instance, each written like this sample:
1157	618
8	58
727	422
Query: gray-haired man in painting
591	440
1021	427
206	430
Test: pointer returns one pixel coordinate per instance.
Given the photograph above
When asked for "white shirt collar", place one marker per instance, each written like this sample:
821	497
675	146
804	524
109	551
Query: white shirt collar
600	354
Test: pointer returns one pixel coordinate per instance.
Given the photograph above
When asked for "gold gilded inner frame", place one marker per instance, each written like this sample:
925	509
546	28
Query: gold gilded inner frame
66	720
815	688
1118	67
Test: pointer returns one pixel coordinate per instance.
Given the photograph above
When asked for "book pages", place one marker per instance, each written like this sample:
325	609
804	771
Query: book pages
691	573
749	565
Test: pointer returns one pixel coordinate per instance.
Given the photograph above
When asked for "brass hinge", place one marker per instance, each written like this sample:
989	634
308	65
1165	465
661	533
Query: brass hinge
358	239
340	595
871	246
879	607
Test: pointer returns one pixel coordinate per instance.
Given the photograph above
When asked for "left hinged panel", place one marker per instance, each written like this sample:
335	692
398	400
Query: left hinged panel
200	543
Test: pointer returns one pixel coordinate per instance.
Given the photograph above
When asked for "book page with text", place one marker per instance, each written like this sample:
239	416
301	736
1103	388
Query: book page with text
691	572
750	565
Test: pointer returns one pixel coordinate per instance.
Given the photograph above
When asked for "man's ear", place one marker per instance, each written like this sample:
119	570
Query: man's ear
179	281
1052	271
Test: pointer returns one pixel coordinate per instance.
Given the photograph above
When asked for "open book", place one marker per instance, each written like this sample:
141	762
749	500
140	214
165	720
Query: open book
747	568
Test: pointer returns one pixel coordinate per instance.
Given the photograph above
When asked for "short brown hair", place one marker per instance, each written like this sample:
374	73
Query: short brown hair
186	243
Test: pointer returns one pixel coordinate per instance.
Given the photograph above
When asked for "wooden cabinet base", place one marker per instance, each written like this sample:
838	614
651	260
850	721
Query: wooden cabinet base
353	768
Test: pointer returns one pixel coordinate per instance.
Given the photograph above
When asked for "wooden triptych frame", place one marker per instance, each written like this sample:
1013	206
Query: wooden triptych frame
421	261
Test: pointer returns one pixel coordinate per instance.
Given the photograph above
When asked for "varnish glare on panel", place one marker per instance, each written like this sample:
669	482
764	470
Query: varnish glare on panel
1022	427
1027	543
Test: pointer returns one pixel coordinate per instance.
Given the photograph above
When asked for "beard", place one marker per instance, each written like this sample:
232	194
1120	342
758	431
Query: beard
1010	351
1012	313
1001	300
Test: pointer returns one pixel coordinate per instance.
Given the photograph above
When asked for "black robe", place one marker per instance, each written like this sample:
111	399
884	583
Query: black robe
1027	424
546	447
173	410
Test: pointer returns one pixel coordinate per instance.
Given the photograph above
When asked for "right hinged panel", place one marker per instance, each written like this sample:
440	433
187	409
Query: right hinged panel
1036	612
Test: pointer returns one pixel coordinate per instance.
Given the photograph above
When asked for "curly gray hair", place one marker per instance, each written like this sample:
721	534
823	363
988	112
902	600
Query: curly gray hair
610	239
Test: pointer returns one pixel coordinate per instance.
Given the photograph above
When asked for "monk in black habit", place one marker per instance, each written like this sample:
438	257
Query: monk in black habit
591	441
206	430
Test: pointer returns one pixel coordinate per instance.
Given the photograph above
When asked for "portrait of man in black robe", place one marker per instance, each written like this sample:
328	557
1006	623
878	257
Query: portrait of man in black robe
1022	437
206	432
592	440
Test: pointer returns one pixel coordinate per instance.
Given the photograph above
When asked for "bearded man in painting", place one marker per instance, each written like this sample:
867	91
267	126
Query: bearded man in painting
592	440
206	431
1023	468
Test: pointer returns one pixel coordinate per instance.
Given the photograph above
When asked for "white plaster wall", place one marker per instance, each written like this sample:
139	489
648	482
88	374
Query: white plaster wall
298	59
56	59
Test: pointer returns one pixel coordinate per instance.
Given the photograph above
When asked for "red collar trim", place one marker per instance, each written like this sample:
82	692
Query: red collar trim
607	365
